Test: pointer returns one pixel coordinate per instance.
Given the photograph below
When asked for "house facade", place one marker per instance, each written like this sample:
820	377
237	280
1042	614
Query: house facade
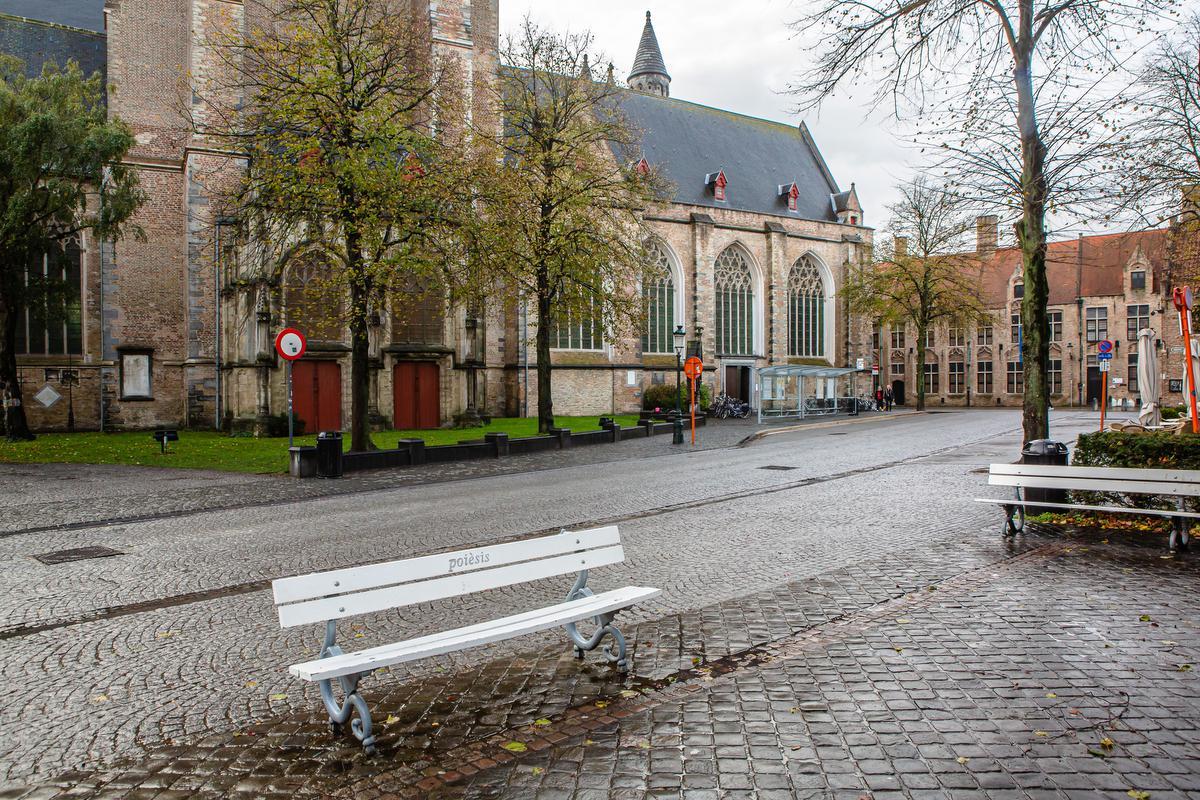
1104	287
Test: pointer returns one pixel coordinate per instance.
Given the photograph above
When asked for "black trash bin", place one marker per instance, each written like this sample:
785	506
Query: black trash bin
1052	453
329	454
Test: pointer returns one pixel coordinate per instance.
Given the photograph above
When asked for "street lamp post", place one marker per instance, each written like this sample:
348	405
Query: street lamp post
680	337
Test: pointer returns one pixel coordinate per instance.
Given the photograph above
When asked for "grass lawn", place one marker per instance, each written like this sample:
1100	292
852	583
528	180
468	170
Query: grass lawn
212	450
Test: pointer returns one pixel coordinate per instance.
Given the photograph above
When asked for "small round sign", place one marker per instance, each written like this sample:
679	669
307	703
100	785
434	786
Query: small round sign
290	344
693	367
1105	346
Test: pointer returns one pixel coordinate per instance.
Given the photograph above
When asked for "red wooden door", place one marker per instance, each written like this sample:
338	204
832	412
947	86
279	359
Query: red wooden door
317	395
416	395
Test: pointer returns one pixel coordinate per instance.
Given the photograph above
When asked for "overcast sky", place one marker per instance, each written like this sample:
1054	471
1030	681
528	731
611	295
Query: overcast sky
739	57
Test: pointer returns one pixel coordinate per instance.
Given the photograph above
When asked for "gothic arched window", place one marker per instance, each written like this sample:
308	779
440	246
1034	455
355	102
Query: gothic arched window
806	310
735	304
658	301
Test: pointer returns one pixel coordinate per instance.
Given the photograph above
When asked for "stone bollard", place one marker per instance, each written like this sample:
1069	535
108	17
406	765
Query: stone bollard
416	450
563	435
499	443
302	462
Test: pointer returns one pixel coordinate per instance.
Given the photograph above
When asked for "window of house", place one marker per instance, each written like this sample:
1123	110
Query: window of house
1137	279
957	335
1014	328
1055	318
1132	372
735	304
1054	376
898	335
876	334
897	369
136	375
806	310
1137	317
983	372
658	303
1097	324
930	337
931	378
51	323
958	377
1016	378
984	335
1018	291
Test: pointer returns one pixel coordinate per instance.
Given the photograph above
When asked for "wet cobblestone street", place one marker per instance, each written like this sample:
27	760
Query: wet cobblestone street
852	626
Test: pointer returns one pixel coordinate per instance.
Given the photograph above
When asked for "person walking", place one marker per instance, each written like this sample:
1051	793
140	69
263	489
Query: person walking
879	398
888	397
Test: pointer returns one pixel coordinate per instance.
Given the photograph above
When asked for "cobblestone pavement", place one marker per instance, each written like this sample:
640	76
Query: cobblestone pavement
48	496
154	693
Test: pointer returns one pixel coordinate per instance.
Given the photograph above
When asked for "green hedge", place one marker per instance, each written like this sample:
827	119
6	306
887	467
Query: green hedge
662	395
1136	451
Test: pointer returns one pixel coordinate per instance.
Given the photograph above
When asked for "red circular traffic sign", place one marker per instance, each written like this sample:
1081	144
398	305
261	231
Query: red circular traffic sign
1182	297
1105	346
693	367
290	344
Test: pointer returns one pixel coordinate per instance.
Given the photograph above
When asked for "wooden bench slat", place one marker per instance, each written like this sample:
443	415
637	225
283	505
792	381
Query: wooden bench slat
1096	485
342	606
1078	507
474	635
372	576
1101	473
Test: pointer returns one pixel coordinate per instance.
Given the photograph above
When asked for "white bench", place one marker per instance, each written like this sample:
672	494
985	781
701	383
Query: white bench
337	594
1179	484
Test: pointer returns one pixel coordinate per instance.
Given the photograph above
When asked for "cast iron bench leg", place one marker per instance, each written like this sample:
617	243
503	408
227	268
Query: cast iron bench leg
604	627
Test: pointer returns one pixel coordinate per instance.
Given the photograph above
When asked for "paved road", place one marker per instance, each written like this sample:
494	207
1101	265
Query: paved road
175	639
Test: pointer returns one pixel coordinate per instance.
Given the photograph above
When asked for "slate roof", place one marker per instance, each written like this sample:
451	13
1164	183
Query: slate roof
649	57
85	14
687	141
36	43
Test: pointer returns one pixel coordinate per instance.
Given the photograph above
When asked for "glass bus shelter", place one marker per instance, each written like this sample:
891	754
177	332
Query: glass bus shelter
806	390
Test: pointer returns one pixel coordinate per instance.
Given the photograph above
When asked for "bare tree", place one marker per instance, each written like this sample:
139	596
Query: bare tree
1017	80
1164	158
924	279
561	221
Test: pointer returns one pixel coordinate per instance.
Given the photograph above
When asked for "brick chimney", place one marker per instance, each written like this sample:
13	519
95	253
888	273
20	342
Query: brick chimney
900	246
987	234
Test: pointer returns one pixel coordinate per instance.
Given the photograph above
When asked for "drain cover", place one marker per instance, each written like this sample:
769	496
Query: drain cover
77	554
777	466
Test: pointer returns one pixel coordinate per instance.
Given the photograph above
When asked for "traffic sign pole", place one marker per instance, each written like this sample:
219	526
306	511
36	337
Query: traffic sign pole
1183	304
694	369
291	424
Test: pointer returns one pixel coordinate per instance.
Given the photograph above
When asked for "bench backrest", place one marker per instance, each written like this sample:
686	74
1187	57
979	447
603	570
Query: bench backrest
341	593
1178	482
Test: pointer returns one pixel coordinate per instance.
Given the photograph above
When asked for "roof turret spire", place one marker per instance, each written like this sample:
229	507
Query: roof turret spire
649	73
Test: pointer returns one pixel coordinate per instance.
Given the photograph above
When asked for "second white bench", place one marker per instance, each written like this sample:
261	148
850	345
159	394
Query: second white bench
337	594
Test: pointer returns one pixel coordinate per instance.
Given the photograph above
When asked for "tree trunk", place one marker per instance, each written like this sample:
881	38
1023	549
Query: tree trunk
1031	236
545	322
920	367
360	378
16	427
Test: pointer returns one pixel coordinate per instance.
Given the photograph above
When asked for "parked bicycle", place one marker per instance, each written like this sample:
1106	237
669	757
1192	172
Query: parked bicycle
726	407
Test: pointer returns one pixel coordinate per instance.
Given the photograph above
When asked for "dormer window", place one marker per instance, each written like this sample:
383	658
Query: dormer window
1137	279
1018	291
642	168
789	193
717	182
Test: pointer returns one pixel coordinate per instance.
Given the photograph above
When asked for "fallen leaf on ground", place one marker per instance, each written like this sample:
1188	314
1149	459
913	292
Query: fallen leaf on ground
543	721
1138	795
1185	667
629	693
903	621
1107	743
1041	733
279	696
536	771
601	704
1051	695
251	684
100	698
515	747
962	759
1143	618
